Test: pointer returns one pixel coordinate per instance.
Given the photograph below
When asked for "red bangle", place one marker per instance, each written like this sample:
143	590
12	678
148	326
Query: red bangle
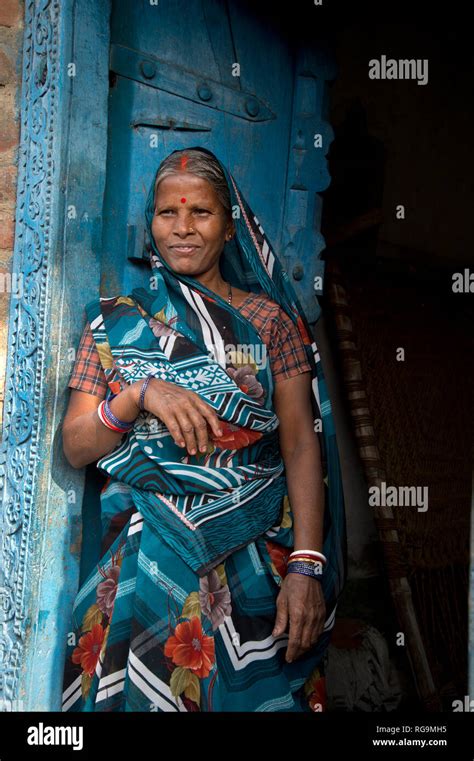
106	421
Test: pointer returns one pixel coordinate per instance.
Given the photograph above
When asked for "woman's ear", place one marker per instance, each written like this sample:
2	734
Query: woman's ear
230	231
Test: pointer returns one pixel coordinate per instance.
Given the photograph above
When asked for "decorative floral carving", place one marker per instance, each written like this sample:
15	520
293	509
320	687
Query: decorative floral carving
20	442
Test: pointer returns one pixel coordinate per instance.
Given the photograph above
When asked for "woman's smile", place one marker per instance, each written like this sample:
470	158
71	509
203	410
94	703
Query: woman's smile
182	249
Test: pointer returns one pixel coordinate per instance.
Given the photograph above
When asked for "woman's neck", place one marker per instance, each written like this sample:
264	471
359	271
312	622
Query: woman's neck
216	284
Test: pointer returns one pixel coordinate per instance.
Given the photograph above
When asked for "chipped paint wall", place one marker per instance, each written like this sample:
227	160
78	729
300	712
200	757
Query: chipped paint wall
11	46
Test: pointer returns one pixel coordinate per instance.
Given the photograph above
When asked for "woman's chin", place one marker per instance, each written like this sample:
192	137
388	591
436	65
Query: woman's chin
185	266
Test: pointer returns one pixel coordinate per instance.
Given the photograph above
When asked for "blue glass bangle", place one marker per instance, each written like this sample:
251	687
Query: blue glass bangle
307	569
113	419
143	389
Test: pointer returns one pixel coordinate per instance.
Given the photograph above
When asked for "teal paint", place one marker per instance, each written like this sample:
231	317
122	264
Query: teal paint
57	258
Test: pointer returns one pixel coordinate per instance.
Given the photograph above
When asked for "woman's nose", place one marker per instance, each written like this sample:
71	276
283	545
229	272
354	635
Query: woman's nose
182	224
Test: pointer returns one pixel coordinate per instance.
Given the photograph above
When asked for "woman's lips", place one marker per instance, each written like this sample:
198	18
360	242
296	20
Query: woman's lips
185	249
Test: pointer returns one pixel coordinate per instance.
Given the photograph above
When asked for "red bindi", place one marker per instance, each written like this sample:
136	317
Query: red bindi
183	200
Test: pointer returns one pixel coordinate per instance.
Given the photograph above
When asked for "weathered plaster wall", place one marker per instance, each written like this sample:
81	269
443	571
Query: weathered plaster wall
11	45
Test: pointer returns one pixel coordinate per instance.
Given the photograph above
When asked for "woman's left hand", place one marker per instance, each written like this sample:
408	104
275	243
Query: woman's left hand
301	601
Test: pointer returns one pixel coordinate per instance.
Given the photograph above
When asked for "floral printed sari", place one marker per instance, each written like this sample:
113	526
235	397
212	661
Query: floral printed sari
179	611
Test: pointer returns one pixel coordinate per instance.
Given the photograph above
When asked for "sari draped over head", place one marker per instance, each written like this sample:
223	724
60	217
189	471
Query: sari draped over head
206	506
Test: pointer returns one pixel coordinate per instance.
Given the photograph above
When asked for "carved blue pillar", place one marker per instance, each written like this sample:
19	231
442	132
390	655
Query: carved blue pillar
308	175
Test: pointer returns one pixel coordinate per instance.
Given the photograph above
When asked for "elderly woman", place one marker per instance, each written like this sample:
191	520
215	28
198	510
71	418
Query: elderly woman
200	396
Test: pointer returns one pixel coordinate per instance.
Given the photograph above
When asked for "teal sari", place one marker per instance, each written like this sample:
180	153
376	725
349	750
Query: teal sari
179	611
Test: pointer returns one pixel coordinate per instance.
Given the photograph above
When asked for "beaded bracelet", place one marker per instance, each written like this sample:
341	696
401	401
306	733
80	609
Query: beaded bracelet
108	418
143	389
307	569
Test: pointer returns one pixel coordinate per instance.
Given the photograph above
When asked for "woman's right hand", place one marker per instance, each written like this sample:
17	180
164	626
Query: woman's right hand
183	412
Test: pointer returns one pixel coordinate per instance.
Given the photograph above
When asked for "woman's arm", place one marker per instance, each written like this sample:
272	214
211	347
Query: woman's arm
185	414
300	602
85	437
299	445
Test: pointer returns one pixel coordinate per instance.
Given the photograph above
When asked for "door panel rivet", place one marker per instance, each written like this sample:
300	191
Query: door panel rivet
148	69
298	272
204	92
252	106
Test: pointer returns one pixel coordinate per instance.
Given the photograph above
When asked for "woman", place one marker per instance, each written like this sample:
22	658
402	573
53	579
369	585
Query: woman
201	395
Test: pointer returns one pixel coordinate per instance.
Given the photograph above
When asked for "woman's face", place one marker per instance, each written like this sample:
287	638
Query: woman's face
190	225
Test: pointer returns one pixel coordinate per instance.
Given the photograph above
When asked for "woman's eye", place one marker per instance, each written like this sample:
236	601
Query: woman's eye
167	212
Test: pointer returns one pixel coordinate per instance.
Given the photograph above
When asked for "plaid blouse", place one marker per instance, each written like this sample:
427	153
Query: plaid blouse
285	350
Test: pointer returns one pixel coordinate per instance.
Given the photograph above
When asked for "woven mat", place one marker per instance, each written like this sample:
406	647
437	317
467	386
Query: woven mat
422	412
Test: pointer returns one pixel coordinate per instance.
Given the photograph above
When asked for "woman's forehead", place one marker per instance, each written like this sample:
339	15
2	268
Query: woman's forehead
187	185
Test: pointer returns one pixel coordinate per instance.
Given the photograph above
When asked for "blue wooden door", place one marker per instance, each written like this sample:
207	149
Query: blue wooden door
213	73
216	74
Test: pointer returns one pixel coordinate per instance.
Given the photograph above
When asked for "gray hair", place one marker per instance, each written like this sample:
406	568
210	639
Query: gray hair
200	164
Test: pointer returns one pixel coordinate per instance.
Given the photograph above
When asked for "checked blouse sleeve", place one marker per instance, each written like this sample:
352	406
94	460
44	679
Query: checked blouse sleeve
287	354
88	374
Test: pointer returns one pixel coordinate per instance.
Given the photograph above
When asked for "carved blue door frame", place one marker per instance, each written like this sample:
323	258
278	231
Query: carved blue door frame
72	135
57	251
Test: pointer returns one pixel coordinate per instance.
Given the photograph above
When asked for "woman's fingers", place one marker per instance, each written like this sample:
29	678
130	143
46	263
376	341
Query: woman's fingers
210	415
195	427
311	632
185	415
187	428
198	412
281	619
294	640
174	428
